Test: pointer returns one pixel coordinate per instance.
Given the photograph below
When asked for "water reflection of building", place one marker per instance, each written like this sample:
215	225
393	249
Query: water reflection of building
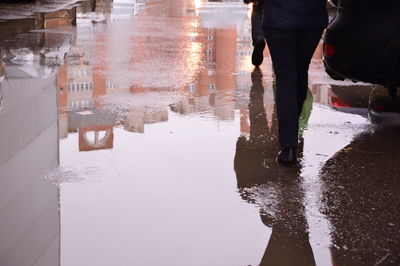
108	10
52	17
87	81
214	85
76	102
41	53
213	88
75	85
96	138
49	47
211	64
29	209
138	117
80	85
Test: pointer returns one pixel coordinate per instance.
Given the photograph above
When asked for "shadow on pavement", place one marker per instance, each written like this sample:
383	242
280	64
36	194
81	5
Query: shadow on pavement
361	199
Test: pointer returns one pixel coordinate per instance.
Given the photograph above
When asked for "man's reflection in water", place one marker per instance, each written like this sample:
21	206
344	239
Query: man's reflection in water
276	190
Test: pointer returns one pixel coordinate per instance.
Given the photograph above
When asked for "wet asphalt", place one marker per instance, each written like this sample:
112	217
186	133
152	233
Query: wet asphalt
138	133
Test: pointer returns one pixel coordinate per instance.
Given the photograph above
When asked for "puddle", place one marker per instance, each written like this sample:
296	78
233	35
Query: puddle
135	132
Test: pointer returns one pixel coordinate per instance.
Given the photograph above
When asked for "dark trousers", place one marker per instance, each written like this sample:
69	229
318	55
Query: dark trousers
257	32
291	52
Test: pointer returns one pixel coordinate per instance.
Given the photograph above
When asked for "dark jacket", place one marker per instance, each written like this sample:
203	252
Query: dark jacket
295	14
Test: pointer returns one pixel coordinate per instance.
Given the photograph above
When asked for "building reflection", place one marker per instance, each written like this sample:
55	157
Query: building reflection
137	118
361	198
29	88
87	81
29	205
53	17
96	138
214	87
276	190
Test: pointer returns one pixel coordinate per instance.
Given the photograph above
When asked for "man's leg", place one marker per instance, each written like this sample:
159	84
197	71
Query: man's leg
307	42
282	47
257	33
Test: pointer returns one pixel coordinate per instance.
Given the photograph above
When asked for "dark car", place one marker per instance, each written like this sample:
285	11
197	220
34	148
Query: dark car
362	43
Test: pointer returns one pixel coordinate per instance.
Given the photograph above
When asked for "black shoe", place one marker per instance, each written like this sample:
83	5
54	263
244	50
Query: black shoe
257	57
287	156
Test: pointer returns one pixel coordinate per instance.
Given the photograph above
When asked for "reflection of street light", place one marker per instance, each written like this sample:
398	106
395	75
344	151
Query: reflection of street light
249	10
194	24
194	58
197	5
193	35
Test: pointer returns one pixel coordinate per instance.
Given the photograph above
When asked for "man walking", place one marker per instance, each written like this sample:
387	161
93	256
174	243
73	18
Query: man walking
292	29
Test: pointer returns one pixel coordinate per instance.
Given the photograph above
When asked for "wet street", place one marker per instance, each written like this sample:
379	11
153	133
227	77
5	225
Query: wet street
137	132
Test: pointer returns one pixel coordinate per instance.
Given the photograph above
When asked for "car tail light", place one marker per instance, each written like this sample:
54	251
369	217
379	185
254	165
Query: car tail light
380	108
338	102
329	49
